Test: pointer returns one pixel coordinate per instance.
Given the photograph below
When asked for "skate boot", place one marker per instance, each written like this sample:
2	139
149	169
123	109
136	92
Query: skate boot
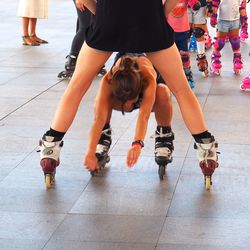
202	64
208	41
189	76
238	64
69	67
103	147
102	71
192	44
216	64
163	148
208	158
50	149
246	84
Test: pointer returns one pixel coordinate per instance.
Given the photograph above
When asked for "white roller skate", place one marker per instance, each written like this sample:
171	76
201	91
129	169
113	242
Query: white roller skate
245	84
50	149
208	158
102	149
163	148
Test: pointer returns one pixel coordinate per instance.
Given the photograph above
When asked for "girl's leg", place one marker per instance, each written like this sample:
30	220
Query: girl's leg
26	38
33	22
88	64
175	79
235	44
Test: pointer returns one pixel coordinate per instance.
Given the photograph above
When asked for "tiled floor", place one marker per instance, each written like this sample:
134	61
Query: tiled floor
120	209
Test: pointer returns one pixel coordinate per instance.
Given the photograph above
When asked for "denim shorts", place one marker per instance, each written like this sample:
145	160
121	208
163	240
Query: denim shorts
226	26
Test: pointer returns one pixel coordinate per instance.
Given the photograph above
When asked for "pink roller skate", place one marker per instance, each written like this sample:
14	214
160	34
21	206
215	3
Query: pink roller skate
238	64
208	158
50	149
246	84
243	34
216	63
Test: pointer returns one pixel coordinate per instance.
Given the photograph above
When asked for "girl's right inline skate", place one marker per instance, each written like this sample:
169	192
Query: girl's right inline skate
163	148
102	148
208	158
50	148
245	84
216	63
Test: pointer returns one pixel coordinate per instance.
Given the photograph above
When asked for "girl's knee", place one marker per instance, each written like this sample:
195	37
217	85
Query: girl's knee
162	93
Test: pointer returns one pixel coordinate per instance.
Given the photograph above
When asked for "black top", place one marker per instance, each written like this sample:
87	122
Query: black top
130	25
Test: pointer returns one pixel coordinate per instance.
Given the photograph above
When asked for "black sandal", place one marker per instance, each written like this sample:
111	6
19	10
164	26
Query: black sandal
39	40
28	43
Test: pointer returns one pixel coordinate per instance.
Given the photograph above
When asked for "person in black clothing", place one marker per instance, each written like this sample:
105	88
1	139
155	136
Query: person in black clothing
134	26
83	21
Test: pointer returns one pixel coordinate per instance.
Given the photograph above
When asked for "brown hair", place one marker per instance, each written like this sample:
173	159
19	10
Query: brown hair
126	82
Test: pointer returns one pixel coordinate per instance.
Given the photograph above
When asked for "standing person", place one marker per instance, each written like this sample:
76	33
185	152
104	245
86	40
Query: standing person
132	83
132	26
178	19
228	25
83	21
30	11
197	13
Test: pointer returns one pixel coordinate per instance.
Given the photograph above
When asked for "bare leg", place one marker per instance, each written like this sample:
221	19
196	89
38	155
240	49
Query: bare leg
88	64
26	38
163	106
33	22
168	63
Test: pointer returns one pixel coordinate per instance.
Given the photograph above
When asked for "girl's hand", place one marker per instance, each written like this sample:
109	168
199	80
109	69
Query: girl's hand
133	155
91	162
79	5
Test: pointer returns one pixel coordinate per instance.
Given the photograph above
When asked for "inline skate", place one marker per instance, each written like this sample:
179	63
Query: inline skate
208	158
185	57
192	44
246	84
216	63
208	41
244	28
238	64
102	148
69	67
50	148
202	64
163	148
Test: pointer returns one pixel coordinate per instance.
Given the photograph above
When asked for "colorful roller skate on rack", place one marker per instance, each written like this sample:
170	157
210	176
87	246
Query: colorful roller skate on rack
50	148
102	148
163	148
202	64
208	158
245	84
192	44
238	64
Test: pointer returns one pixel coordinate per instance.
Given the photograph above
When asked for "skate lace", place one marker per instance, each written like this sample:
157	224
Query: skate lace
208	154
107	132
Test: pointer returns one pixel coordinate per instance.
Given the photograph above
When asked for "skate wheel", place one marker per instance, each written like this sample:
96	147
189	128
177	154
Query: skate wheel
237	72
93	173
208	182
49	180
205	73
161	172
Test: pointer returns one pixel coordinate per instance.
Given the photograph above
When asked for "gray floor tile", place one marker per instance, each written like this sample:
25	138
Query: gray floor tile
23	244
79	245
110	228
196	247
203	231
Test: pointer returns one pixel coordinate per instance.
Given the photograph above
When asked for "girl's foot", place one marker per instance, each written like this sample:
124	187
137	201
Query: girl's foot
29	42
37	39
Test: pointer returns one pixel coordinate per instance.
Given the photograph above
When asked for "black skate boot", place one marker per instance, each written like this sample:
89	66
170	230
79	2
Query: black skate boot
103	147
208	158
69	67
50	148
164	147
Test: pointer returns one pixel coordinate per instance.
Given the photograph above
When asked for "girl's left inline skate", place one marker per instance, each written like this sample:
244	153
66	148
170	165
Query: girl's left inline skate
208	158
50	148
102	148
164	148
245	84
202	64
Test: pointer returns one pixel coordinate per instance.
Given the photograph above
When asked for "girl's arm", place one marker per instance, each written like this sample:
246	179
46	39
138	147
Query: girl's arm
102	110
144	112
213	18
169	5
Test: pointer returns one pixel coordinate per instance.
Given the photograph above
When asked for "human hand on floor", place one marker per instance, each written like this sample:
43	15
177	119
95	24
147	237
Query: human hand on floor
133	155
90	161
